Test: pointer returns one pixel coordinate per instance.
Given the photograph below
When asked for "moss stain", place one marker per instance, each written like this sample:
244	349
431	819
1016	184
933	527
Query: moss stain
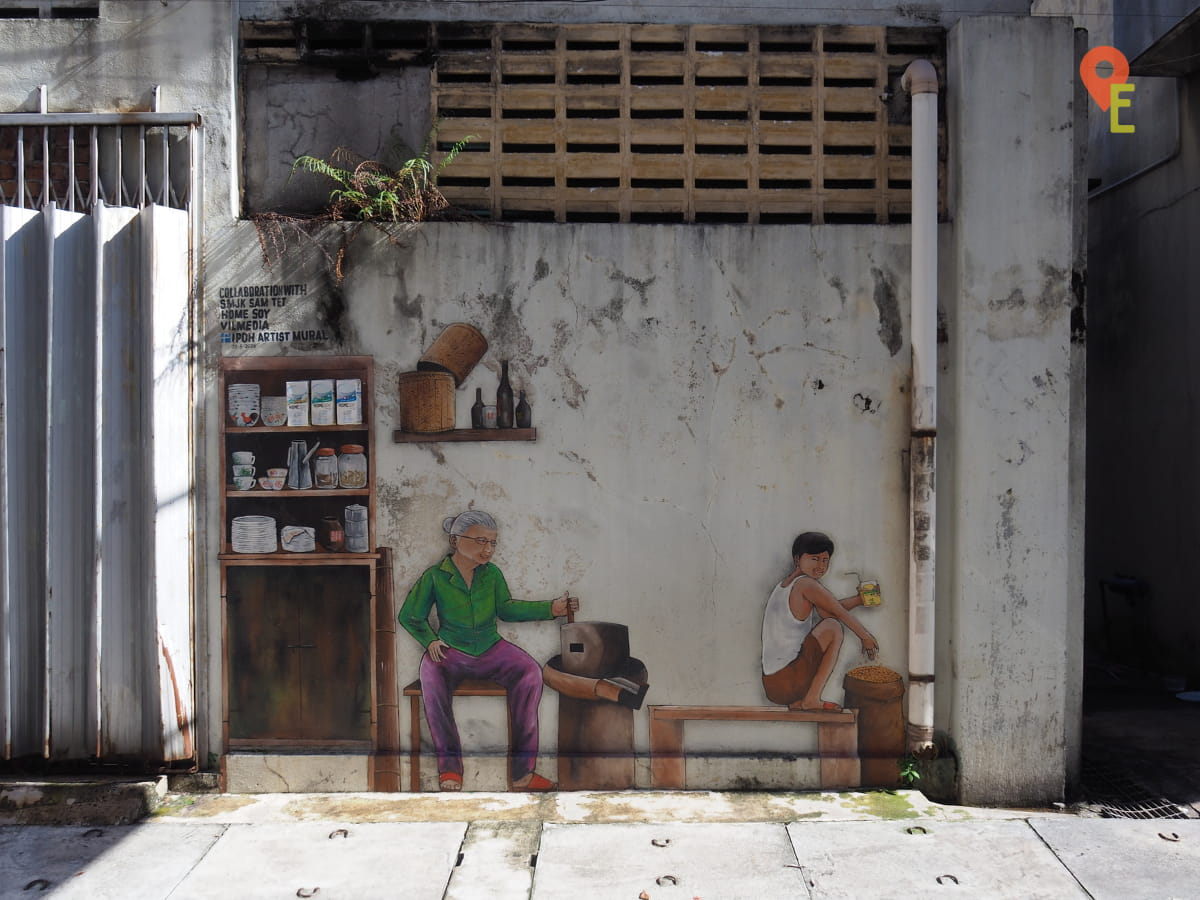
883	804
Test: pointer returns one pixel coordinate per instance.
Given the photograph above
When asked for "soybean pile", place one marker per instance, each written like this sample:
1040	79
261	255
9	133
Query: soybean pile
874	674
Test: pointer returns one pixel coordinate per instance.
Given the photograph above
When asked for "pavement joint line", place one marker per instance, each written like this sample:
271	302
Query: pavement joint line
1060	860
196	863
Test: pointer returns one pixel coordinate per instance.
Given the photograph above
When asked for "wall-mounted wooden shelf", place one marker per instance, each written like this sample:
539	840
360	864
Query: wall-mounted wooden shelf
460	435
259	493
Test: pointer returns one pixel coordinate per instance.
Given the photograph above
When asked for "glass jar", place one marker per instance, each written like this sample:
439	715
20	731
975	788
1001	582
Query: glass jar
332	535
325	469
352	467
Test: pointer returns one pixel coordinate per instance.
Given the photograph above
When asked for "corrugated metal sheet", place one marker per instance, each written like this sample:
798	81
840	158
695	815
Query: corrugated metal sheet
69	470
96	654
23	276
168	280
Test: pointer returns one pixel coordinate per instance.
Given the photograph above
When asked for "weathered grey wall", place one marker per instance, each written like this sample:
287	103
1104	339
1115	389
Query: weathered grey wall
1143	426
294	111
111	64
768	12
1006	523
702	395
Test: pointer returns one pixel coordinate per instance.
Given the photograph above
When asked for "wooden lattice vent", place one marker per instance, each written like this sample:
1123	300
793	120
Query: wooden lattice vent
656	123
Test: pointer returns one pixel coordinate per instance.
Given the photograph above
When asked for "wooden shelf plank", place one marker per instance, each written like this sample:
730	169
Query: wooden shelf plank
460	435
316	558
290	429
259	493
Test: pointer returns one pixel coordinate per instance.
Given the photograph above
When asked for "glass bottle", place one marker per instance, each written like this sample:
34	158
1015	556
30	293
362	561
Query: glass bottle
477	409
524	415
325	469
352	467
504	399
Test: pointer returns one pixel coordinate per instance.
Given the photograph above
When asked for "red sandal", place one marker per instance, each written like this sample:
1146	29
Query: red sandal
450	781
538	785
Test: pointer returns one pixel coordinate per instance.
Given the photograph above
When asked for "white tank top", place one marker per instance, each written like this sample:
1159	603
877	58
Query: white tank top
782	632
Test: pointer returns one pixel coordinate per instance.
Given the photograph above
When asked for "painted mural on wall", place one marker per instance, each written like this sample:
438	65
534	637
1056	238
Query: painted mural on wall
859	741
453	608
804	627
469	593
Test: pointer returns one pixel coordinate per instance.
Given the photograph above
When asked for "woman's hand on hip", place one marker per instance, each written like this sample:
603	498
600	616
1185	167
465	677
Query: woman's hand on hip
437	650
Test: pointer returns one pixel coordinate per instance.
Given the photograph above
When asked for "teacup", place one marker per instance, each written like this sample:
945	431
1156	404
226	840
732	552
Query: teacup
243	471
244	482
243	458
277	473
272	483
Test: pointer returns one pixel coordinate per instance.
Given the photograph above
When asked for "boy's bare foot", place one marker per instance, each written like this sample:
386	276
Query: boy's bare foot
822	706
450	781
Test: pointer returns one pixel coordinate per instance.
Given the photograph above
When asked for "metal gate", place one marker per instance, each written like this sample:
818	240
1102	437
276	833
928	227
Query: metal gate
96	620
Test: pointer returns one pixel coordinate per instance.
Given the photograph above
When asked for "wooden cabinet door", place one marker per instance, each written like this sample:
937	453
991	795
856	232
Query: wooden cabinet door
335	628
299	653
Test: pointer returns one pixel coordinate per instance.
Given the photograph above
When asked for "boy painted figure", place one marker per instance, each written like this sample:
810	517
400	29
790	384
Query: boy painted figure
803	629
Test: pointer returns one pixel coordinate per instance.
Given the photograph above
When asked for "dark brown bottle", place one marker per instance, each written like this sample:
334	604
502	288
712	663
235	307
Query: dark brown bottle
504	399
477	409
524	415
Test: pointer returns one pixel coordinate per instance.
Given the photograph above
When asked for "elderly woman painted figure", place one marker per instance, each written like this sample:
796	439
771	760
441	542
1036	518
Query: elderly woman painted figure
469	593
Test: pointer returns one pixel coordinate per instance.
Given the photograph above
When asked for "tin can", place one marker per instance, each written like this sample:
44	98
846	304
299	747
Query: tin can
868	592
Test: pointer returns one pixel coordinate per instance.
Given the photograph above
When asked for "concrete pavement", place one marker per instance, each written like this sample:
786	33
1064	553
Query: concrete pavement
625	846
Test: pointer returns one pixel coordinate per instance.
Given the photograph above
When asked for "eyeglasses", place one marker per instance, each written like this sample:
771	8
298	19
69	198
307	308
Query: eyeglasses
482	542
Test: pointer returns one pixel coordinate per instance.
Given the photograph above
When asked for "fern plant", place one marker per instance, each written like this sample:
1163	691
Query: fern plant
370	191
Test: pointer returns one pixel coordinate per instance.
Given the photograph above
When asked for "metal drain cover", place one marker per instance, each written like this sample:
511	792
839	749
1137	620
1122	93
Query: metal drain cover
1108	786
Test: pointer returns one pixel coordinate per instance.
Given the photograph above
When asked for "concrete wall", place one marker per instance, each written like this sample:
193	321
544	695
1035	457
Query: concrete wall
111	64
1005	525
754	12
701	394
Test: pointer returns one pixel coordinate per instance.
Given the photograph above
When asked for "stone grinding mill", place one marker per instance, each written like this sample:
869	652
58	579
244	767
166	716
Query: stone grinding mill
599	686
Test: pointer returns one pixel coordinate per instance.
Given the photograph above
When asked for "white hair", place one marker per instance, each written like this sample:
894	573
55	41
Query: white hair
456	525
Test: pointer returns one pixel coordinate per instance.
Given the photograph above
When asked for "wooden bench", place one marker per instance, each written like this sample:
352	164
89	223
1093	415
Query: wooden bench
837	739
470	687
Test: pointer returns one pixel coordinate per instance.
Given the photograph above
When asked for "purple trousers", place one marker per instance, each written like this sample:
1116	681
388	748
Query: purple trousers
504	663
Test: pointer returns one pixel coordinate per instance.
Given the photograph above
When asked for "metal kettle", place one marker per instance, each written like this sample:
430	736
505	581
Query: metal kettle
299	471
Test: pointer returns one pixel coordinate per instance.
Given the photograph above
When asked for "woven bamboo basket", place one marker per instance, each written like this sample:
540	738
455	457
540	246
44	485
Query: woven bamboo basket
457	350
426	401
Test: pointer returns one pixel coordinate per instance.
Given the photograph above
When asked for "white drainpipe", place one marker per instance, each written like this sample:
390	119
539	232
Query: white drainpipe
920	80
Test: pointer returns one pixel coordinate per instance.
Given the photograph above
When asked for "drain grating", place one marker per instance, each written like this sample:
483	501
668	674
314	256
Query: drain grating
1107	786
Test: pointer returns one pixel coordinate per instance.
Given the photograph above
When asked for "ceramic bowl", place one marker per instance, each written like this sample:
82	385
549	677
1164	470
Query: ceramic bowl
272	483
277	473
274	411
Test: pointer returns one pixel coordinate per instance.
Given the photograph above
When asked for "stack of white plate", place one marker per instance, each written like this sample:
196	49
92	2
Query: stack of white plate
253	534
242	403
299	538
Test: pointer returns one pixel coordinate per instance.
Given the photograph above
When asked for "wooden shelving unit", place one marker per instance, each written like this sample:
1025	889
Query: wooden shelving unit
298	629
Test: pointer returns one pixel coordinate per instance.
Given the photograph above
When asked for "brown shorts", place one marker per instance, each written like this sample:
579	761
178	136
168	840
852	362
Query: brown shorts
791	682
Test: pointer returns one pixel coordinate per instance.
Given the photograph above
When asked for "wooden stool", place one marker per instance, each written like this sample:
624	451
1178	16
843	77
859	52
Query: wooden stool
470	687
837	739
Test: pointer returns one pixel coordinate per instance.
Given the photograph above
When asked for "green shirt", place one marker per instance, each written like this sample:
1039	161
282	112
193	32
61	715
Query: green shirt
466	615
